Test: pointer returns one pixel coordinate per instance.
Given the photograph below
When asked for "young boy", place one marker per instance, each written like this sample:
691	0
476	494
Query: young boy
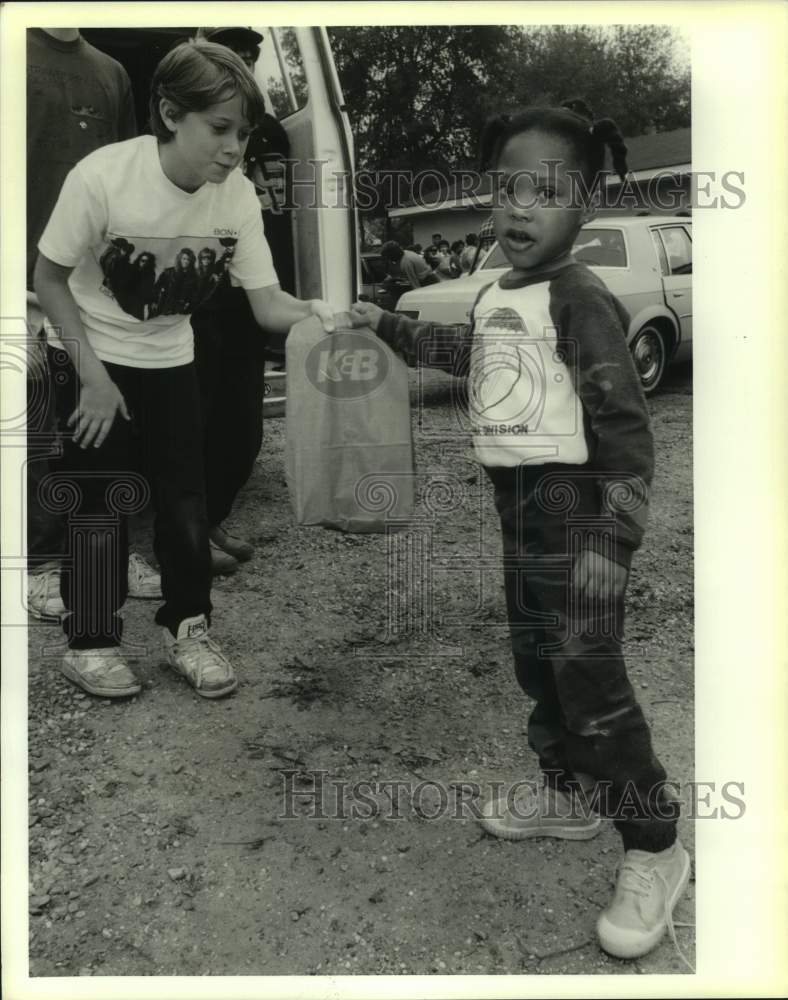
171	195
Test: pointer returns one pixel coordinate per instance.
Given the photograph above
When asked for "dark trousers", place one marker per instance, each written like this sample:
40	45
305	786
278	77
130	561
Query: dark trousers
568	654
45	528
155	456
229	350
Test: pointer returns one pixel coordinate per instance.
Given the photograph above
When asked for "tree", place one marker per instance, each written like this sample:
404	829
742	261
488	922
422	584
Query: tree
630	73
418	96
413	97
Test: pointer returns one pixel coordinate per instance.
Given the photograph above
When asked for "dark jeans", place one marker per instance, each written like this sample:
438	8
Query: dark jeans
46	535
568	656
156	455
229	350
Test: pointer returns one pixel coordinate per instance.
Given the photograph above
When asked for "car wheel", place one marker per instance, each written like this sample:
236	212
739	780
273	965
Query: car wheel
650	355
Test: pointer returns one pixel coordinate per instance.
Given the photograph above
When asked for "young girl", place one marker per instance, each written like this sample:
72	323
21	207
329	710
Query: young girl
560	424
171	195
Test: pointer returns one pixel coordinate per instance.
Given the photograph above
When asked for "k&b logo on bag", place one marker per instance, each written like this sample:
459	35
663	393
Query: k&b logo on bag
347	365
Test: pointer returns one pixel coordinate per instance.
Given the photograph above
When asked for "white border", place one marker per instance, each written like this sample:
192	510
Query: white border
739	111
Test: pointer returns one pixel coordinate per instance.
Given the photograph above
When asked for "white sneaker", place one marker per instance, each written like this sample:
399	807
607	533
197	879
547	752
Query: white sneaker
43	595
196	657
103	672
43	589
647	890
524	811
144	581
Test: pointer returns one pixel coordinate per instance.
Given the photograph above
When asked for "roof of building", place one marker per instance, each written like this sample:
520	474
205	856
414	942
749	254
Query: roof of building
661	149
653	152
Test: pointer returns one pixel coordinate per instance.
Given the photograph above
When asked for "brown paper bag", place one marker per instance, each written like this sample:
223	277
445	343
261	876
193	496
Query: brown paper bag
349	450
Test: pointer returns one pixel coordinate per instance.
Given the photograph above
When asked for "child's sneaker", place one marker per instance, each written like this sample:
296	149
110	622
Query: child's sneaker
102	672
43	595
197	658
144	581
538	812
647	890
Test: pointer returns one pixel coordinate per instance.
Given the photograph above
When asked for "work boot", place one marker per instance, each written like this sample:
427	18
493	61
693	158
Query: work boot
235	547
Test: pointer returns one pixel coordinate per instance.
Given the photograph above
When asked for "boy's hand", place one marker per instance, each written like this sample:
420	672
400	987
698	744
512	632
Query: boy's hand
365	314
324	312
596	576
93	418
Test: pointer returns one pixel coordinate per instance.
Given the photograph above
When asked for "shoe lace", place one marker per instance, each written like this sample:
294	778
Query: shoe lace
635	878
197	652
673	924
639	880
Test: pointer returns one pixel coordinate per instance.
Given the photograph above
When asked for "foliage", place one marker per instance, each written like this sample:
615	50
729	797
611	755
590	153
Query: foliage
418	96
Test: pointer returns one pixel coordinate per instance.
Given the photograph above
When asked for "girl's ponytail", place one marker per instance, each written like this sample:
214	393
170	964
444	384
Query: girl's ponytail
491	139
580	108
607	130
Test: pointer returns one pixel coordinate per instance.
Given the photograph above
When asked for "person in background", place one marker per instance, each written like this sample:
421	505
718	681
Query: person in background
406	270
78	99
436	239
230	348
486	239
469	253
431	256
446	268
457	247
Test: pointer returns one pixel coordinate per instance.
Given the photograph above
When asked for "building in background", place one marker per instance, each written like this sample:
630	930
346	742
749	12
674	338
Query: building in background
660	166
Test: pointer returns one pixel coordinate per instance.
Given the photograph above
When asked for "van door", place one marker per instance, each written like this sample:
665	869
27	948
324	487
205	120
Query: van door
297	75
677	279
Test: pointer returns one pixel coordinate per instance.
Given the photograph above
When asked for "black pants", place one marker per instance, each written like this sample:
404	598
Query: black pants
568	656
45	528
229	349
157	455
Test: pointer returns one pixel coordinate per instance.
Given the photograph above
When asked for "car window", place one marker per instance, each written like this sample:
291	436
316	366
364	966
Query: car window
678	247
663	257
600	248
280	71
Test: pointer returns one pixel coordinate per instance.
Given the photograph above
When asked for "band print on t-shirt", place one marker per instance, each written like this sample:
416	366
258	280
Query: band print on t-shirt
164	277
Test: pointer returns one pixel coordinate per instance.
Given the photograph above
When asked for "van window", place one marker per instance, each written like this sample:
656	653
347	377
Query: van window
280	71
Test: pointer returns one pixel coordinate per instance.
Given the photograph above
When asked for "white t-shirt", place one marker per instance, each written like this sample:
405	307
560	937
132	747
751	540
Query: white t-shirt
523	404
146	254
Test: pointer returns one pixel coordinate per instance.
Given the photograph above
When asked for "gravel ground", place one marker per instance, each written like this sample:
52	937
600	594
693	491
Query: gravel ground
158	840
